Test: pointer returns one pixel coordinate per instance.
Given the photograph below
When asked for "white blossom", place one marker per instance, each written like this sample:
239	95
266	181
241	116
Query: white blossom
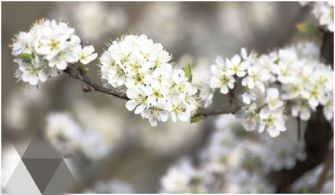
93	145
48	47
156	89
177	178
328	109
324	11
301	108
272	121
292	78
236	66
273	100
256	78
224	82
183	177
63	132
66	135
86	55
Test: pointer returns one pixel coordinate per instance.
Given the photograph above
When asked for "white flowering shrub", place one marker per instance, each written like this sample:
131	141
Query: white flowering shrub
47	48
155	88
291	79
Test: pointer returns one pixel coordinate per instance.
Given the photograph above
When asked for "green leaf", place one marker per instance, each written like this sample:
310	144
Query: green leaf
307	28
188	71
195	118
26	57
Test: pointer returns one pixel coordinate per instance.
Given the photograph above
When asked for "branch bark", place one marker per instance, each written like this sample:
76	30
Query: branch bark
323	176
77	74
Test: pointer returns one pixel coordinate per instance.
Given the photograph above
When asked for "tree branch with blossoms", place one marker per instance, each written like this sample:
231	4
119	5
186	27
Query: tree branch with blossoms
140	71
262	90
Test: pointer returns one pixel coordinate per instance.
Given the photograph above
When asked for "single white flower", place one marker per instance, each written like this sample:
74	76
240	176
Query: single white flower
87	54
292	90
250	117
22	44
256	78
328	109
220	67
236	66
224	82
301	108
272	121
137	100
31	73
156	114
63	132
314	95
179	110
273	100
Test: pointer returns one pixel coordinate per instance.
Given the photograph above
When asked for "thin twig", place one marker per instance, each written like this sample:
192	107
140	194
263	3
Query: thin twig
299	128
326	168
74	73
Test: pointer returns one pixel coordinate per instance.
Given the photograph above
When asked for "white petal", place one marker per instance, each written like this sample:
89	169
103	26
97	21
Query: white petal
131	104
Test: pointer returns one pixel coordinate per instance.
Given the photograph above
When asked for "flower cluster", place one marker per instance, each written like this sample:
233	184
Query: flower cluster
229	163
183	177
67	136
292	76
234	161
156	90
324	12
48	47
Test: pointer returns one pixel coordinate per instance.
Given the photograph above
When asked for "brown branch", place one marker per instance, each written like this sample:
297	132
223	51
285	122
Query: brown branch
323	176
75	73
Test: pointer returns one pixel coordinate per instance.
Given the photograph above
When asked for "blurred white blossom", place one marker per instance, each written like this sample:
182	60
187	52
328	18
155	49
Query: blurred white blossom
324	12
66	135
184	178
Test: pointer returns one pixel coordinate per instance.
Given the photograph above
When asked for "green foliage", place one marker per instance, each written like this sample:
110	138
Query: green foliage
188	71
26	57
195	118
307	28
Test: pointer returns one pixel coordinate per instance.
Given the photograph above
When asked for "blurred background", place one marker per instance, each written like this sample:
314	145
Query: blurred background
120	152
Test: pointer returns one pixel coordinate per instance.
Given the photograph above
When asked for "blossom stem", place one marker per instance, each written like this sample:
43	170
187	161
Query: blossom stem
323	175
74	73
